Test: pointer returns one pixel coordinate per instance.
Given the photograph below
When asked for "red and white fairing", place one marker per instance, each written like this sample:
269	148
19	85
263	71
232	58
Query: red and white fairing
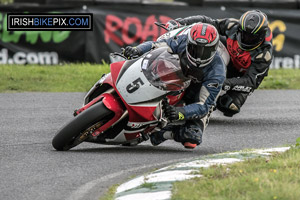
141	84
134	75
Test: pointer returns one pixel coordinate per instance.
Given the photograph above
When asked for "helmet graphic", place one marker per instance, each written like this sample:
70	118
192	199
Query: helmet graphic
252	31
202	44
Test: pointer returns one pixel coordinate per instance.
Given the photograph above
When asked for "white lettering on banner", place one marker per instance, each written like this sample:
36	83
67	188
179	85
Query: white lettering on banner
286	62
21	58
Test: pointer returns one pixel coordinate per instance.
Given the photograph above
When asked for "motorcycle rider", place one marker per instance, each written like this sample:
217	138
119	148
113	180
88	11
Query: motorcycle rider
197	50
249	43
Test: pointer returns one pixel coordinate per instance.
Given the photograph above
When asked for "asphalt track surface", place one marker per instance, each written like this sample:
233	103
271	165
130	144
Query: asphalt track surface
31	169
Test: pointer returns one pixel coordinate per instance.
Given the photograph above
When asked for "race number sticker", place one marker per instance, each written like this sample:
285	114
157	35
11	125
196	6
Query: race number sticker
132	87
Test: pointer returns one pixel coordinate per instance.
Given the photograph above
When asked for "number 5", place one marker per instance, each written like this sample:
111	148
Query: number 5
132	87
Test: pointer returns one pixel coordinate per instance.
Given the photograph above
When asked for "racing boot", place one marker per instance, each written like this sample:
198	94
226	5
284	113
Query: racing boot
159	137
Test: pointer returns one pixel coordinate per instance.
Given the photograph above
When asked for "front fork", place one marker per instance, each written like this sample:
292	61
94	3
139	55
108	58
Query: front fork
112	103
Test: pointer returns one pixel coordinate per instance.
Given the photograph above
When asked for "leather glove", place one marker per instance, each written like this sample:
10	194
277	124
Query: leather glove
226	105
131	52
173	113
172	24
226	86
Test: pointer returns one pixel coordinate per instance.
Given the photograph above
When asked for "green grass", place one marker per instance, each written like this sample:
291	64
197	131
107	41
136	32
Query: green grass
277	177
109	195
282	79
60	78
80	78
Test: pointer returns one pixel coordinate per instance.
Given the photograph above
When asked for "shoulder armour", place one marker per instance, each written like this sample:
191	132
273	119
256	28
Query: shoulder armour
265	56
231	22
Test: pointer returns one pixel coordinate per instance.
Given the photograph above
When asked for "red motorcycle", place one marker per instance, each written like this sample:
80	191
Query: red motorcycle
125	106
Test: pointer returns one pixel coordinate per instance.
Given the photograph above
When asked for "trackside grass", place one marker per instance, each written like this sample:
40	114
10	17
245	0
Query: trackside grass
109	195
282	79
80	78
276	177
58	78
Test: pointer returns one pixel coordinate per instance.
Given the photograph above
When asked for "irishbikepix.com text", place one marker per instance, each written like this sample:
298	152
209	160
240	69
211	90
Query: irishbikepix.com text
49	22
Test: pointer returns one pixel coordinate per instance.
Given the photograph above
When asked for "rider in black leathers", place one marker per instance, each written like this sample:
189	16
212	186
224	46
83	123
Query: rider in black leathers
249	43
199	59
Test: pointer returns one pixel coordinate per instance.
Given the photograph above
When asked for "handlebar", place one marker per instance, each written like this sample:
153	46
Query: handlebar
161	25
118	54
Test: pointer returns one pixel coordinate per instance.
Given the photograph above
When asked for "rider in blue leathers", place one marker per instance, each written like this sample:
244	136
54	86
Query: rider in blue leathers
249	44
199	59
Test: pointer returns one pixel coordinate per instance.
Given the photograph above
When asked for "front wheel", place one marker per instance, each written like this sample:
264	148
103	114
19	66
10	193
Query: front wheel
80	127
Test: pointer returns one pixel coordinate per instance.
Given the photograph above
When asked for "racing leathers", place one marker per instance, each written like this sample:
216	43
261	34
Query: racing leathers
200	97
247	68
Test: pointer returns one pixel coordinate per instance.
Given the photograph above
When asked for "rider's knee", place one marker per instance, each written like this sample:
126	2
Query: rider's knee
189	133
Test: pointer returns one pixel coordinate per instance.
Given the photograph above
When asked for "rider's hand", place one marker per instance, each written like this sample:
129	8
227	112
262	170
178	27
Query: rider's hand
172	24
131	52
226	86
173	113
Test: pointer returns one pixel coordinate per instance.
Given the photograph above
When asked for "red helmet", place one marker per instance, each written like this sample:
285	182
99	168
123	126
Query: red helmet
202	44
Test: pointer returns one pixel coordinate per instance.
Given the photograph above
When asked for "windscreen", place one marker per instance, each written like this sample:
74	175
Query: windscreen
163	70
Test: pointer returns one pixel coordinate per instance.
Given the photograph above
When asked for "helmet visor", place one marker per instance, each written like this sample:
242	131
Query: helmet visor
248	40
200	54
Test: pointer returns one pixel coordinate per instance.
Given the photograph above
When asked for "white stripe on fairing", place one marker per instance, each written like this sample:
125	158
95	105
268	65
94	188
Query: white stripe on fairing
164	195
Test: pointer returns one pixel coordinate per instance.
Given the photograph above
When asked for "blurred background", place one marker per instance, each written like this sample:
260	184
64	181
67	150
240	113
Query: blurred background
117	24
248	3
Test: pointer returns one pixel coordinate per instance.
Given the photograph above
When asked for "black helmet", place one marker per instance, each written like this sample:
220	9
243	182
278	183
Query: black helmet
202	44
252	31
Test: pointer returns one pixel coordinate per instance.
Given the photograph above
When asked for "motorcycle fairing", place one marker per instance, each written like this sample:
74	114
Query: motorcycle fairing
157	72
141	112
144	111
115	70
133	83
99	88
112	104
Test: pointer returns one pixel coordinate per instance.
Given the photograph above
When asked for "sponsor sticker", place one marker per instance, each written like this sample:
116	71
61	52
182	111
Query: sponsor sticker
145	64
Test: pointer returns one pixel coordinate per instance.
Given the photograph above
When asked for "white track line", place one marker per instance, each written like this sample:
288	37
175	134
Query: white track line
79	193
132	190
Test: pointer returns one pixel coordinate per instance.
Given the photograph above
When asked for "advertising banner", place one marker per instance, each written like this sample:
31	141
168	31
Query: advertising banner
117	26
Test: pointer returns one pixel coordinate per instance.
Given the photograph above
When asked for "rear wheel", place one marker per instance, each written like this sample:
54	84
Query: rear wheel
80	127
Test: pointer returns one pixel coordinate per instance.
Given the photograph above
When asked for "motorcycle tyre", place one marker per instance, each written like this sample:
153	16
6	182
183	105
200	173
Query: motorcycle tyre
63	138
